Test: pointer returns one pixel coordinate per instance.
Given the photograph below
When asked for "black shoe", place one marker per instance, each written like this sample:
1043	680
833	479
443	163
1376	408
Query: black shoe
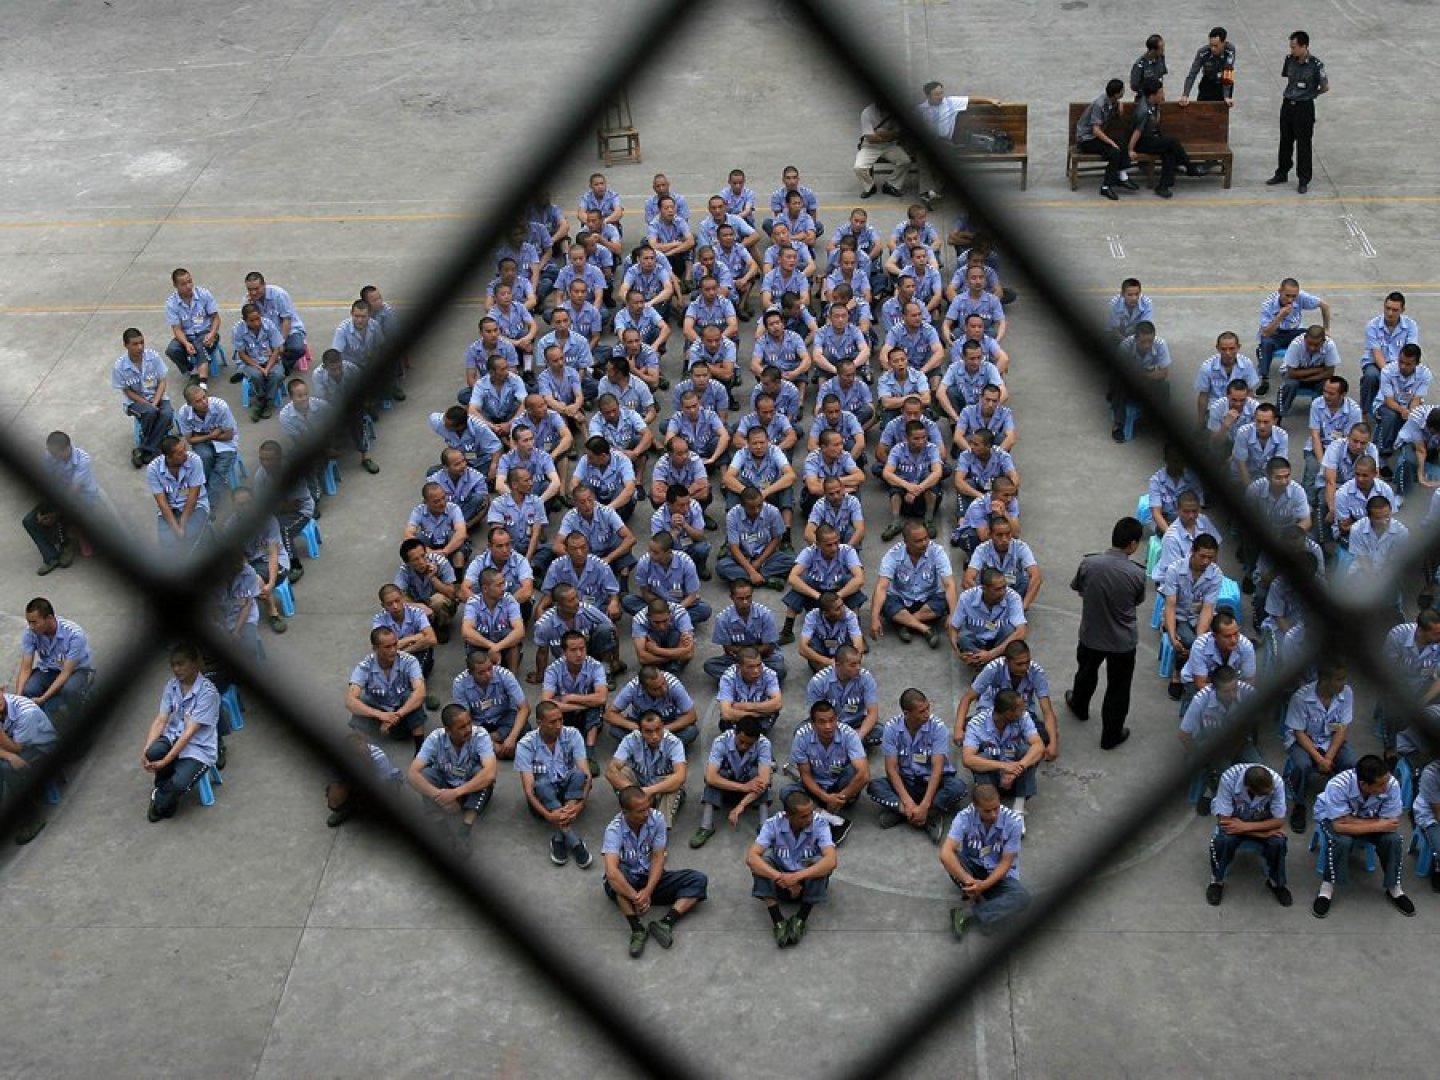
220	756
1281	894
1276	180
340	815
1202	806
1118	434
1321	907
1175	690
296	573
893	191
1109	194
1263	388
1193	170
1070	704
152	814
1402	904
1247	585
1435	880
1164	191
1303	189
236	378
1297	818
1128	185
583	858
839	832
1214	893
869	192
31	829
1124	734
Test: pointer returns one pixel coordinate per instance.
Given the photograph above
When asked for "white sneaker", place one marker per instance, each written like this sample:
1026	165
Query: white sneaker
829	818
1021	815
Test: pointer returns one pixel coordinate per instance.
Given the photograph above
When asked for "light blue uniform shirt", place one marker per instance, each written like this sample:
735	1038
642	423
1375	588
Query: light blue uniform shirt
516	570
981	474
75	473
550	627
565	389
986	738
1338	457
1233	800
1163	489
733	686
737	764
1205	658
252	347
1379	336
856	396
999	423
624	433
356	347
540	465
602	529
635	849
560	680
915	580
1335	425
826	762
914	753
458	489
192	316
633	702
1016	558
387	689
1249	448
817	466
1307	713
1298	357
842	519
494	623
963	386
498	699
573	347
826	637
1403	388
27	723
553	763
985	847
995	676
987	306
143	380
201	706
1342	797
595	581
918	345
50	652
436	529
1374	551
456	766
1191	594
518	517
648	322
708	231
1206	713
827	574
752	535
498	403
694	517
1221	405
1427	796
790	852
1122	317
476	442
218	417
672	583
852	699
609	481
1212	378
990	623
161	481
729	628
1418	666
413	620
547	429
692	471
1270	307
650	765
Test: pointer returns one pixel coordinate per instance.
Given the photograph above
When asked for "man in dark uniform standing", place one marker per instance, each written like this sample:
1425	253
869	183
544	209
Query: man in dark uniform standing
1111	588
1305	81
1215	65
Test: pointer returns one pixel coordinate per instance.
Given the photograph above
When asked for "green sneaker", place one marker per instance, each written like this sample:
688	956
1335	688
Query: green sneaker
701	837
662	933
893	529
29	831
782	933
796	929
787	637
958	921
637	942
47	568
931	528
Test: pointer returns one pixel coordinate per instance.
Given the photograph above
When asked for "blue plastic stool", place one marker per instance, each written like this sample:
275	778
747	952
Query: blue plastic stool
238	472
230	701
1432	470
1157	613
1320	844
1167	656
139	432
285	598
1425	861
52	794
1197	785
331	478
1405	777
205	786
1132	414
245	394
1343	561
1229	599
1142	510
311	535
1152	556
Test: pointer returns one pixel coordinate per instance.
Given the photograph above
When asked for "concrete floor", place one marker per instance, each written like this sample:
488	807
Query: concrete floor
334	145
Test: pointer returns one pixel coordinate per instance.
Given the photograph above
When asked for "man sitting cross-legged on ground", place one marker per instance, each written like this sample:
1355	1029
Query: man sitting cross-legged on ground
634	852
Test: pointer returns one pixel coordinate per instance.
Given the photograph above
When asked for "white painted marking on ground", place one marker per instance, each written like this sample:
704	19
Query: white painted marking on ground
1117	249
1367	249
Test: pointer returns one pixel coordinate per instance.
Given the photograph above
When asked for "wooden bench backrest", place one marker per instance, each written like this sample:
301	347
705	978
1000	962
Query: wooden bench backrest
1202	123
1011	118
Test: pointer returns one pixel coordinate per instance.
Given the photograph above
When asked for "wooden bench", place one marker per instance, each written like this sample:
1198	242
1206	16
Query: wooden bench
1203	128
1013	119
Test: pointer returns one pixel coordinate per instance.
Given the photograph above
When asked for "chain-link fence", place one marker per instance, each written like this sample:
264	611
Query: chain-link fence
1349	623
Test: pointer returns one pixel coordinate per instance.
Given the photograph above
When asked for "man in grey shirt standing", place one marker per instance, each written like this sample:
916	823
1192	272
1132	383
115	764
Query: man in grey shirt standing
1111	588
1305	80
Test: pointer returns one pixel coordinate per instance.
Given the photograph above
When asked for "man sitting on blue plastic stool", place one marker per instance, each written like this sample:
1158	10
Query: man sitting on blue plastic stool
1362	806
1317	722
1204	738
26	735
1426	810
183	739
1249	806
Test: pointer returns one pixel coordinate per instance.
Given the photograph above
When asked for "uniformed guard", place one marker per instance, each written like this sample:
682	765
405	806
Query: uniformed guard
1305	80
1214	63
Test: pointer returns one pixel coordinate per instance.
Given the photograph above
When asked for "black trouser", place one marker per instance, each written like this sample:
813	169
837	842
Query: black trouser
1297	124
1172	155
1211	91
1115	157
1119	670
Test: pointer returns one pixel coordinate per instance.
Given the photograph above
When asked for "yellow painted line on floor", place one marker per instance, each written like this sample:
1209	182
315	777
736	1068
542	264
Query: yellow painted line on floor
1078	201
